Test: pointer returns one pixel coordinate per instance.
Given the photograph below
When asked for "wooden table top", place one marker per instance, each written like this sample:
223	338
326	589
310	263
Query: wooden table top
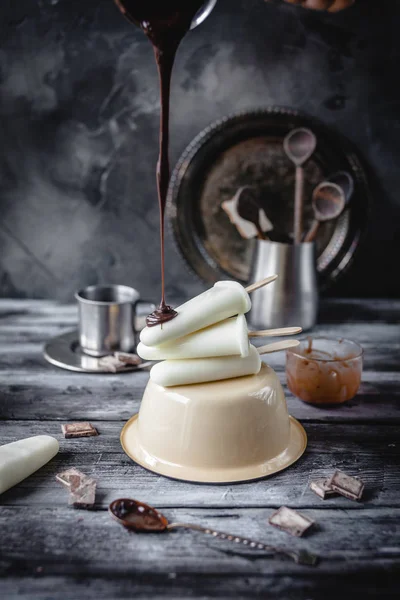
49	550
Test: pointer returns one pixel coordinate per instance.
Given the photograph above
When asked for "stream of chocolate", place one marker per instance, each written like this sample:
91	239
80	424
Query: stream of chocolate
165	23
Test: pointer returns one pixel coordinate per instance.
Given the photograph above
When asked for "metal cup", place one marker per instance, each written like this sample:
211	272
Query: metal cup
203	13
109	318
292	300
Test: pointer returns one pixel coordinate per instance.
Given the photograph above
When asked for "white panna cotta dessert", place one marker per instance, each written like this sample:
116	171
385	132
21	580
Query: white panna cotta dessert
212	411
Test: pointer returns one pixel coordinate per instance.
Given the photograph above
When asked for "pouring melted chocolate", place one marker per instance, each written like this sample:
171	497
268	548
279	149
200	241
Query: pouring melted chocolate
165	24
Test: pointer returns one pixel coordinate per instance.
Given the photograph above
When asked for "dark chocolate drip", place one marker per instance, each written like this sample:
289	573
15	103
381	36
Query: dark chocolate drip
165	24
161	315
165	61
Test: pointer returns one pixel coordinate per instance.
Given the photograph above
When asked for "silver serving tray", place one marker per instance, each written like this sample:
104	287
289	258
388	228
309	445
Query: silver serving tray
247	149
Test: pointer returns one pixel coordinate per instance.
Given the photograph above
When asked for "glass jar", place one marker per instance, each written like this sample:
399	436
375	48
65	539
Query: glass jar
324	370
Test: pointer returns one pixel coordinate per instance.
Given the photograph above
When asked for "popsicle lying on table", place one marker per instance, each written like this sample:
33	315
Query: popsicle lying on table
20	459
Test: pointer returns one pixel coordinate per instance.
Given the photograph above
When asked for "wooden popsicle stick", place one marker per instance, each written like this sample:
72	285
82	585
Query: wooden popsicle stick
275	332
259	284
310	236
278	346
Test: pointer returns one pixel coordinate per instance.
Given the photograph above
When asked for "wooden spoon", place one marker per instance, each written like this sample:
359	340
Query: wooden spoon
345	181
299	146
328	203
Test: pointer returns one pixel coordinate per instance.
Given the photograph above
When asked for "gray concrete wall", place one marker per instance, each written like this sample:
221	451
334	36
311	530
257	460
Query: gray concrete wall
79	123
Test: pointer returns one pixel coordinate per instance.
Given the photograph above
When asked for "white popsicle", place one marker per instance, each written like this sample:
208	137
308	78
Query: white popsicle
200	370
226	299
227	338
20	459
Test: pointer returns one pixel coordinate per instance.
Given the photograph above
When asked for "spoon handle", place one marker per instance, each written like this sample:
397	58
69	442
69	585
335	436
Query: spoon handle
301	557
298	205
312	232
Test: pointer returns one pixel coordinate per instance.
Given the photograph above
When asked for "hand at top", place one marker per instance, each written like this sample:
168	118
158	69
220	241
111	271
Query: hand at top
329	5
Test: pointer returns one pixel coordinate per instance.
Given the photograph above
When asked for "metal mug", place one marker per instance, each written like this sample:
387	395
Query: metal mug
292	300
109	318
203	13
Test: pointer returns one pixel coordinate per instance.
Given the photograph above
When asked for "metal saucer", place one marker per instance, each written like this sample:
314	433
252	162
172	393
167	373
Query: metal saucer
64	351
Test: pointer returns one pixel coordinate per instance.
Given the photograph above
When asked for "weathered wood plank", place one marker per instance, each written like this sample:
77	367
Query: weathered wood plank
92	543
382	357
376	581
41	330
58	394
371	452
41	550
359	310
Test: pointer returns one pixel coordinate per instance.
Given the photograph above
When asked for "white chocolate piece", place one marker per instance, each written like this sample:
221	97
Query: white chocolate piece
227	338
226	299
201	370
20	459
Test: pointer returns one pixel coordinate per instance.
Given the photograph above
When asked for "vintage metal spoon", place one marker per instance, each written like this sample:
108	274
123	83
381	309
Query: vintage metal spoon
328	203
142	518
299	145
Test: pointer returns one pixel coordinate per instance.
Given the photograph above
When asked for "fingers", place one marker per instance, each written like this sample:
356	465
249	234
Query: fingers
341	5
318	4
329	5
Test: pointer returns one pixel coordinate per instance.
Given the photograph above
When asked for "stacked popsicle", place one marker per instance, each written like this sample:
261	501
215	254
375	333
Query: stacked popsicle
209	338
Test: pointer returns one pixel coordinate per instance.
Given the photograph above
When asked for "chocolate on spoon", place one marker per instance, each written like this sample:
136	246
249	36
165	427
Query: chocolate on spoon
142	518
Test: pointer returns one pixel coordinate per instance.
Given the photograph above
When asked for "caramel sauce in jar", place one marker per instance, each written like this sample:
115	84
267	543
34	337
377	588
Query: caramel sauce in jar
324	371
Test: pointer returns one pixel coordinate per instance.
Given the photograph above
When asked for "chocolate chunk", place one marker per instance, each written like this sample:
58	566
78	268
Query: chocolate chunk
111	364
82	488
322	488
290	521
76	430
70	477
83	494
346	485
127	359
